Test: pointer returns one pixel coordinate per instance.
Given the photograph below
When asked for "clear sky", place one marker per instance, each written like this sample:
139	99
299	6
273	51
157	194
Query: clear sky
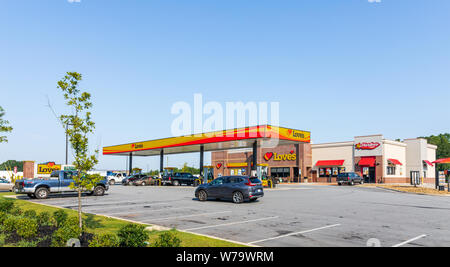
339	68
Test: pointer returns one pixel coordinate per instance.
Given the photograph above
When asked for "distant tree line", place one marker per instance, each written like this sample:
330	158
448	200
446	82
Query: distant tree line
10	164
185	168
442	141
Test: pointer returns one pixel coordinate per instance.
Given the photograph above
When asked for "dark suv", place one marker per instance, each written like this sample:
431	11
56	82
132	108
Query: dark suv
350	178
180	178
236	188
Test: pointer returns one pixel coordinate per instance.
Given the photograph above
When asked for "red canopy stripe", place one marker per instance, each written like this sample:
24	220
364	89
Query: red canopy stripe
395	162
428	162
440	161
367	162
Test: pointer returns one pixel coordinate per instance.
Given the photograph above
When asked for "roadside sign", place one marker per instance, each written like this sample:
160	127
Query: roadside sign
442	178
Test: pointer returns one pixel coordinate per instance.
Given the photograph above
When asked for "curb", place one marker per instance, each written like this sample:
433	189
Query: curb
151	227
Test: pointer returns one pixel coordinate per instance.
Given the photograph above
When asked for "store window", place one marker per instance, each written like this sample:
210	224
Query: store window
280	172
333	172
391	170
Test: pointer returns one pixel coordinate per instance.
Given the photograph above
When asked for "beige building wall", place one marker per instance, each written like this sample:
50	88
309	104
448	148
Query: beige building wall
333	151
394	150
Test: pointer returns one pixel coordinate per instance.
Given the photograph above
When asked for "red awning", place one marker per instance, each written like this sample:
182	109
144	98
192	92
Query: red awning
330	163
439	161
395	162
367	162
428	162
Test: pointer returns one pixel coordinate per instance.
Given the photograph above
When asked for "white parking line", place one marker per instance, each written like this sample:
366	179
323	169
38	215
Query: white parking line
297	233
409	241
187	216
147	211
233	223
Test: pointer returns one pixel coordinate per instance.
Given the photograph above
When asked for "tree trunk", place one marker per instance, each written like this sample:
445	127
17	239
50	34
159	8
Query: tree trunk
80	220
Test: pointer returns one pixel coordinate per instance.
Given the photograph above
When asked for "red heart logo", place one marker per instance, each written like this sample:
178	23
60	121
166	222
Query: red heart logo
132	146
268	156
290	131
292	151
51	164
219	165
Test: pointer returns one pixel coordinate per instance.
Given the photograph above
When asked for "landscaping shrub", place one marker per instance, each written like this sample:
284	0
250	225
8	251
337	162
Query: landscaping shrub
9	225
6	205
30	214
60	217
105	240
44	219
133	235
167	240
2	240
27	227
3	217
27	244
63	234
15	211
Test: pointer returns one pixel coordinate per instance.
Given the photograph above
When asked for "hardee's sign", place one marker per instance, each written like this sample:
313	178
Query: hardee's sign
280	157
48	168
367	146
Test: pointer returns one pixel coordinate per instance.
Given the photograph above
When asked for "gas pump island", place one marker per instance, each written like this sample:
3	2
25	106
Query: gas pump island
248	137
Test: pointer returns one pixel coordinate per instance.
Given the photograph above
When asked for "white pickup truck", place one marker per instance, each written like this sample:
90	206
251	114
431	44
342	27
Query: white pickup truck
116	178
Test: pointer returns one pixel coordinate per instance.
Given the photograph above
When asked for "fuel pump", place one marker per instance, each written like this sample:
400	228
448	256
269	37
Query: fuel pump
167	175
263	175
209	172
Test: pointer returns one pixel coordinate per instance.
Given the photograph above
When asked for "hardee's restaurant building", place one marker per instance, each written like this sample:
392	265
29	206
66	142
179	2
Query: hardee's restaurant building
290	162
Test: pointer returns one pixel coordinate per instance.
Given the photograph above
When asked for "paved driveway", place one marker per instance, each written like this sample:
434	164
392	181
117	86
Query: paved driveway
291	215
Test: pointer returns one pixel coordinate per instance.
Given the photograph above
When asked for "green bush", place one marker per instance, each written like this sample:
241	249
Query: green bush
133	235
6	205
44	219
15	211
9	225
30	214
105	240
167	240
27	227
2	240
63	234
60	217
27	244
3	217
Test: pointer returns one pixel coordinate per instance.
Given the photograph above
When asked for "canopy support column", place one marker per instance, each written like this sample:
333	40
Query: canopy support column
161	162
255	156
202	154
130	165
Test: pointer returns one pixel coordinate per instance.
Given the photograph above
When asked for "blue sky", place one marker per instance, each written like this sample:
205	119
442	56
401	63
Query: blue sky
338	68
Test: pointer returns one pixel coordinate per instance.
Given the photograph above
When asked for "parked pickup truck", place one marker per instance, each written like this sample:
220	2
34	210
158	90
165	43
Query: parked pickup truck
180	178
58	182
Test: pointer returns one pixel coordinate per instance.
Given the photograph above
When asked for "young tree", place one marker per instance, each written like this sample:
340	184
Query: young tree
81	125
4	126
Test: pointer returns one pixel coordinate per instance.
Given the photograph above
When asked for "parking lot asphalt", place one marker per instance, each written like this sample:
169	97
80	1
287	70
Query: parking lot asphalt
291	215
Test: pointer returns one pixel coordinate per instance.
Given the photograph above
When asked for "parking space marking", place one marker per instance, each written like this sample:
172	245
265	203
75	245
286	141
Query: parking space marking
297	233
147	211
187	216
409	241
232	223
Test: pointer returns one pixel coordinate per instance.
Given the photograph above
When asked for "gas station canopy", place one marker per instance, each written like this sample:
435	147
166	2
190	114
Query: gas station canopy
212	141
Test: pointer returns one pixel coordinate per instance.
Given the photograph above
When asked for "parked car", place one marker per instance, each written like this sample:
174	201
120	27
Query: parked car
130	179
6	185
236	188
180	178
350	178
116	178
146	180
58	182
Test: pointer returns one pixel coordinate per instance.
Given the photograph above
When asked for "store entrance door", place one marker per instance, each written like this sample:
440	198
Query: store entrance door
369	175
296	175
